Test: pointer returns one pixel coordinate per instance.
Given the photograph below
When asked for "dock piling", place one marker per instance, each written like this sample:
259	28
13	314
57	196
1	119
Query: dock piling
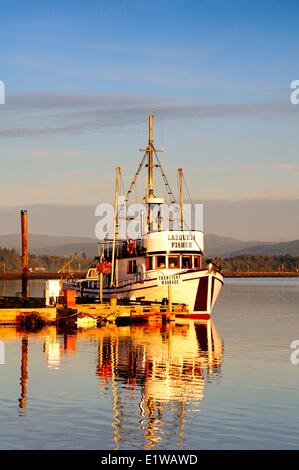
24	229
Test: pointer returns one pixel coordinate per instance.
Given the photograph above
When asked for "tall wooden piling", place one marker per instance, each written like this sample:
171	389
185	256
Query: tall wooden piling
24	228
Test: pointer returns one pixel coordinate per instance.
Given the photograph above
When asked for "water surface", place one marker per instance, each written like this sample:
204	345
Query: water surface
228	384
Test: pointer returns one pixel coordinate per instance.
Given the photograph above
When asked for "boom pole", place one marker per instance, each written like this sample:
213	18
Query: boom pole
180	173
115	223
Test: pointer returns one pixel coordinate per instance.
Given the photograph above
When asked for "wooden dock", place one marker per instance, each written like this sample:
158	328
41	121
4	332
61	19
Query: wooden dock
120	314
99	313
90	314
11	316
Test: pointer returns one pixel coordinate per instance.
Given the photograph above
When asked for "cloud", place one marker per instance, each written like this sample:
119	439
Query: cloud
57	113
269	166
63	153
245	166
46	100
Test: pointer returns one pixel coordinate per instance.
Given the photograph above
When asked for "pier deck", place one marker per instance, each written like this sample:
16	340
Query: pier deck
8	316
101	313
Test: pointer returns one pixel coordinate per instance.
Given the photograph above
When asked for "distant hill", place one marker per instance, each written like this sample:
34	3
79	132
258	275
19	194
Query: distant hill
282	248
89	248
215	245
50	245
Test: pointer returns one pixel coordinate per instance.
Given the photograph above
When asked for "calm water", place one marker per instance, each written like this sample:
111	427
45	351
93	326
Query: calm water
190	385
11	288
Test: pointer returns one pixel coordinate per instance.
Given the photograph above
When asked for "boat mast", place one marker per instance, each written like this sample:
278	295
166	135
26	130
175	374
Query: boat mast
149	153
180	173
115	223
150	165
150	156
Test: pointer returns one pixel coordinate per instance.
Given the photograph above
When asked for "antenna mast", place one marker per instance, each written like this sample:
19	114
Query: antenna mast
180	173
150	151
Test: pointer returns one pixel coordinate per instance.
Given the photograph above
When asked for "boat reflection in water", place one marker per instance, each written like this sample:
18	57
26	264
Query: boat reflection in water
155	374
163	370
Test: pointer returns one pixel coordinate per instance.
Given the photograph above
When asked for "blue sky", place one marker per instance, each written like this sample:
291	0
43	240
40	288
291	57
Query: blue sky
195	48
81	78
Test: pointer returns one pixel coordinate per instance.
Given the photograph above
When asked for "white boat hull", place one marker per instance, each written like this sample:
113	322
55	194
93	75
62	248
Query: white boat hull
199	290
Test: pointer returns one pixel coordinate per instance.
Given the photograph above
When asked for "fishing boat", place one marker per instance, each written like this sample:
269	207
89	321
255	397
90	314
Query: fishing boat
165	262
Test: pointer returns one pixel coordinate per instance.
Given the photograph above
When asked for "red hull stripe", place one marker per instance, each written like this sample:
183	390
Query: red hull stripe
194	316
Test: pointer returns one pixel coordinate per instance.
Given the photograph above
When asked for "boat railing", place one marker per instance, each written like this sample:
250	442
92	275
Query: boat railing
138	277
129	280
122	249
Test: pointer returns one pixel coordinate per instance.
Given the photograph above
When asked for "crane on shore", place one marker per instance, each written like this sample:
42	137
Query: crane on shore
66	268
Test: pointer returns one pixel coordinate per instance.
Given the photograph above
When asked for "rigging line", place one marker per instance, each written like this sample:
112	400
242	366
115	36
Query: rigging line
178	191
110	227
187	189
122	183
135	177
136	193
170	193
189	229
162	136
191	202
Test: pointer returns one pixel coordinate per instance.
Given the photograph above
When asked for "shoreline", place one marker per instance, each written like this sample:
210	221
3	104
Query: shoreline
261	274
11	276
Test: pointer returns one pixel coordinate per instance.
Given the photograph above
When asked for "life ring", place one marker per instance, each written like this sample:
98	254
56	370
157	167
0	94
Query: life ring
131	246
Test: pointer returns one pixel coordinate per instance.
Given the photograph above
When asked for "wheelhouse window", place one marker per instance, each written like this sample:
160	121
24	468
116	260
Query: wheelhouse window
92	273
149	263
161	262
132	266
186	262
197	262
173	262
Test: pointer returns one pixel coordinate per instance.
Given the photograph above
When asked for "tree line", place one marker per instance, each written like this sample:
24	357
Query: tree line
11	261
266	263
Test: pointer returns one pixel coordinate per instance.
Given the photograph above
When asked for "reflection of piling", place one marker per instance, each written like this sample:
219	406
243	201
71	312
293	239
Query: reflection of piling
24	375
24	227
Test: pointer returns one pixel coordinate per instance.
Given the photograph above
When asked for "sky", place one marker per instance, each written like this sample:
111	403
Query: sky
82	77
